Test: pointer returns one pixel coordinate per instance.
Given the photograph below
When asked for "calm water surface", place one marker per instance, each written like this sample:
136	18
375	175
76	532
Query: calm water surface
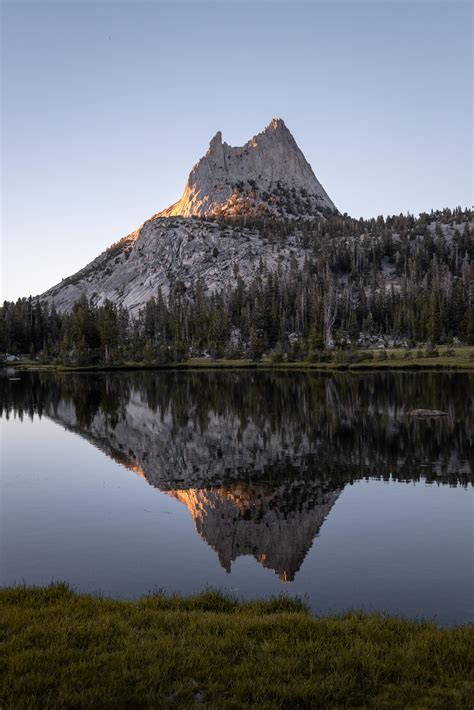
257	483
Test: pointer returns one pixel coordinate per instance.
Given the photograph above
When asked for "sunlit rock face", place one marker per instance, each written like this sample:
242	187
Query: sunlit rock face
267	175
276	525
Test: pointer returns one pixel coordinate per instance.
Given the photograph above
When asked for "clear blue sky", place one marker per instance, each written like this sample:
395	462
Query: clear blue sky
107	105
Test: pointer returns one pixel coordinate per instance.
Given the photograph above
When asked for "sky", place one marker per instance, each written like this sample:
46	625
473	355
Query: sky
107	105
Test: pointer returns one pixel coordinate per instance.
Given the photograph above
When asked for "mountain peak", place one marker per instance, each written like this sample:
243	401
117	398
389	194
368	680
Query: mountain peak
216	142
276	124
269	175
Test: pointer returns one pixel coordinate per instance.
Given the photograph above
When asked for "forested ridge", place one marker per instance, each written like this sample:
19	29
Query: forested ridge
401	280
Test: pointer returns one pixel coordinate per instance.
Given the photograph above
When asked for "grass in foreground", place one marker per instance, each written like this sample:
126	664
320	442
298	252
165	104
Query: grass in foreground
62	649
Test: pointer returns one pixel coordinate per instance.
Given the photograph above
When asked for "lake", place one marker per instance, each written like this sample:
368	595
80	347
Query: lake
258	483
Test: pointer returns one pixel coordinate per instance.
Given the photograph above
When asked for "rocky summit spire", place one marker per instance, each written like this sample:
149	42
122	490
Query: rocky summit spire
267	175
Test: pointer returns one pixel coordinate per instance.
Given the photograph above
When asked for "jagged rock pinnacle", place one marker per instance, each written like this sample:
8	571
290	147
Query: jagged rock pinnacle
269	174
216	142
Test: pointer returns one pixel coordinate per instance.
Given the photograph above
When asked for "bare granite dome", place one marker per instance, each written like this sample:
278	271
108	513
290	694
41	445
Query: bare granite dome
269	174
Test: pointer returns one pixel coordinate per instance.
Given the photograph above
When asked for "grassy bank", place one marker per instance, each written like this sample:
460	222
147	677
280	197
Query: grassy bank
61	649
461	358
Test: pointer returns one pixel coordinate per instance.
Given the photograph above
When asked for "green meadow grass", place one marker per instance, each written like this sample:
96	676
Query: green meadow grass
59	649
458	358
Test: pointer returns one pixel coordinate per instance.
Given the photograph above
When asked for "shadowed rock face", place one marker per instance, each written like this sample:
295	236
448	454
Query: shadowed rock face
259	458
269	174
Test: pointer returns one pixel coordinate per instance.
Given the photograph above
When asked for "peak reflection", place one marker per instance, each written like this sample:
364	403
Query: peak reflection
277	525
260	458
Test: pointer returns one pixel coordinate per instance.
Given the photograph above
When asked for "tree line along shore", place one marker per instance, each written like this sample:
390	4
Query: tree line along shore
363	284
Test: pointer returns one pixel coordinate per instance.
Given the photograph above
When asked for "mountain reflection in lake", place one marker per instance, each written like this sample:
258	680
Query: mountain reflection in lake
265	462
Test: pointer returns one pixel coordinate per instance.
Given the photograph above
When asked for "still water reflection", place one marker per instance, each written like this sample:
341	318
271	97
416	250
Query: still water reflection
317	485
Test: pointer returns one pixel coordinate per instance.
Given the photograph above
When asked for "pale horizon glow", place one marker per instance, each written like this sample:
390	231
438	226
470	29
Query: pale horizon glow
107	105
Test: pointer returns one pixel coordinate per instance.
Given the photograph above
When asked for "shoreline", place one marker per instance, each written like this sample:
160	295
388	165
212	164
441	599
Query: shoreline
441	363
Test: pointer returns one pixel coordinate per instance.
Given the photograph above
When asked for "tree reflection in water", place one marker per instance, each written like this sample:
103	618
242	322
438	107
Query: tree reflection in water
260	458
